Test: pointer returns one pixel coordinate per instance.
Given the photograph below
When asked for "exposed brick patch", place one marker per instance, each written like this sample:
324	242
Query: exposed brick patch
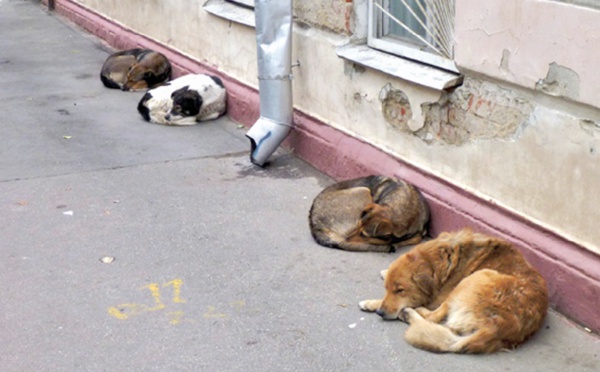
474	111
331	15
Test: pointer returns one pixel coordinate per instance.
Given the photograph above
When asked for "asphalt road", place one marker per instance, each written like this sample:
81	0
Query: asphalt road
128	246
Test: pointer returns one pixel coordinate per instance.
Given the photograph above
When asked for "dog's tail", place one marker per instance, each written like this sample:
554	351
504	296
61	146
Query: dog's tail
438	338
109	83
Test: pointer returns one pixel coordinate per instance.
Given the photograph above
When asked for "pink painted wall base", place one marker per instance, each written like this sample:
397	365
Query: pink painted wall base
572	272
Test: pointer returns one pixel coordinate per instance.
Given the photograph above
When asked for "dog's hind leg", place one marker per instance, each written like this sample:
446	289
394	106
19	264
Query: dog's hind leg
427	335
410	241
482	341
365	247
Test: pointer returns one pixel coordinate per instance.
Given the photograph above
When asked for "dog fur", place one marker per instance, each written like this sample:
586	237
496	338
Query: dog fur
374	213
187	100
135	69
463	292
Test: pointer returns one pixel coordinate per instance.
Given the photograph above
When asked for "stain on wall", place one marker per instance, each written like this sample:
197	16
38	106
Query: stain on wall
396	109
560	81
505	61
591	128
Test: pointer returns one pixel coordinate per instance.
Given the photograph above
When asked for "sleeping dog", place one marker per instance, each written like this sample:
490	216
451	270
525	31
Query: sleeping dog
135	69
374	213
464	292
187	100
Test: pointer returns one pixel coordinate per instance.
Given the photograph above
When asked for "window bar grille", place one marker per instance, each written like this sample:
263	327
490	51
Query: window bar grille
438	25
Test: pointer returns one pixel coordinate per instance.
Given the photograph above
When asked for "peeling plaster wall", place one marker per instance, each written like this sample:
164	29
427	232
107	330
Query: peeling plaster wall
332	15
525	148
543	44
535	156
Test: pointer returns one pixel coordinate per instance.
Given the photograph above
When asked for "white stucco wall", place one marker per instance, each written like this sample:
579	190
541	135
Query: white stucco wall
518	40
547	171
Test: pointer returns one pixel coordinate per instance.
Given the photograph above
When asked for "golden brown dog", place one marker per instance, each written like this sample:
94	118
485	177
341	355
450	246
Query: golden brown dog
372	213
465	293
135	69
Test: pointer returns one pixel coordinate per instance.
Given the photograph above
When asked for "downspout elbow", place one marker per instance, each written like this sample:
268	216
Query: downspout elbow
274	52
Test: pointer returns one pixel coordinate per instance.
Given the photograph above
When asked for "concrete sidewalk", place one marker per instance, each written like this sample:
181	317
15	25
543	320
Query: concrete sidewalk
214	266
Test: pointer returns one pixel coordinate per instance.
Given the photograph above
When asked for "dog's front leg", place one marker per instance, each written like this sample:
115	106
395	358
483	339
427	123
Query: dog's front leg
370	305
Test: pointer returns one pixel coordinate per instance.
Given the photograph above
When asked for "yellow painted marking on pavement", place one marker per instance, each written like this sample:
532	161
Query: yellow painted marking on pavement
155	290
176	283
126	310
212	313
238	304
176	317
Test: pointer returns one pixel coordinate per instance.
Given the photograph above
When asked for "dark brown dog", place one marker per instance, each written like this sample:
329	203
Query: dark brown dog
135	69
373	213
465	293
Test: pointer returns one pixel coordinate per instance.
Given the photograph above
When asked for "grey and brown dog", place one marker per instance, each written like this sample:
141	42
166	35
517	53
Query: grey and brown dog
374	213
135	69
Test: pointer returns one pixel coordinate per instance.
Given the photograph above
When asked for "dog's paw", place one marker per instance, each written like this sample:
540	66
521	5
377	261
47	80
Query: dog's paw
409	315
383	273
406	314
369	305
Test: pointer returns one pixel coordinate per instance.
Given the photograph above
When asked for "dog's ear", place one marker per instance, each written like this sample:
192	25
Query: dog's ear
423	279
368	210
384	228
179	92
448	261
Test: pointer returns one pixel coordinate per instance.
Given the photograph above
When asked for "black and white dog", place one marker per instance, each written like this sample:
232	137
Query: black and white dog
187	100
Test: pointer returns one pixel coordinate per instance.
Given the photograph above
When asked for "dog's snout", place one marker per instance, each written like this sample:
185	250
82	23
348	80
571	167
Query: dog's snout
168	117
386	315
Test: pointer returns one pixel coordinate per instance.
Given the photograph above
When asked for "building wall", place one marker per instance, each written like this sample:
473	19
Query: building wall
522	131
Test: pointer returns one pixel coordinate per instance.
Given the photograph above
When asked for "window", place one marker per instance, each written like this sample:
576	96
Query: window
421	30
238	11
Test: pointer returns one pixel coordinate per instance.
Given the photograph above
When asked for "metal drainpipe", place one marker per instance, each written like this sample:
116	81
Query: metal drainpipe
274	52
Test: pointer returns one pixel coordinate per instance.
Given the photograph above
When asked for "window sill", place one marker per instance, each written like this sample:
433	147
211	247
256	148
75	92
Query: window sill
399	67
231	12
